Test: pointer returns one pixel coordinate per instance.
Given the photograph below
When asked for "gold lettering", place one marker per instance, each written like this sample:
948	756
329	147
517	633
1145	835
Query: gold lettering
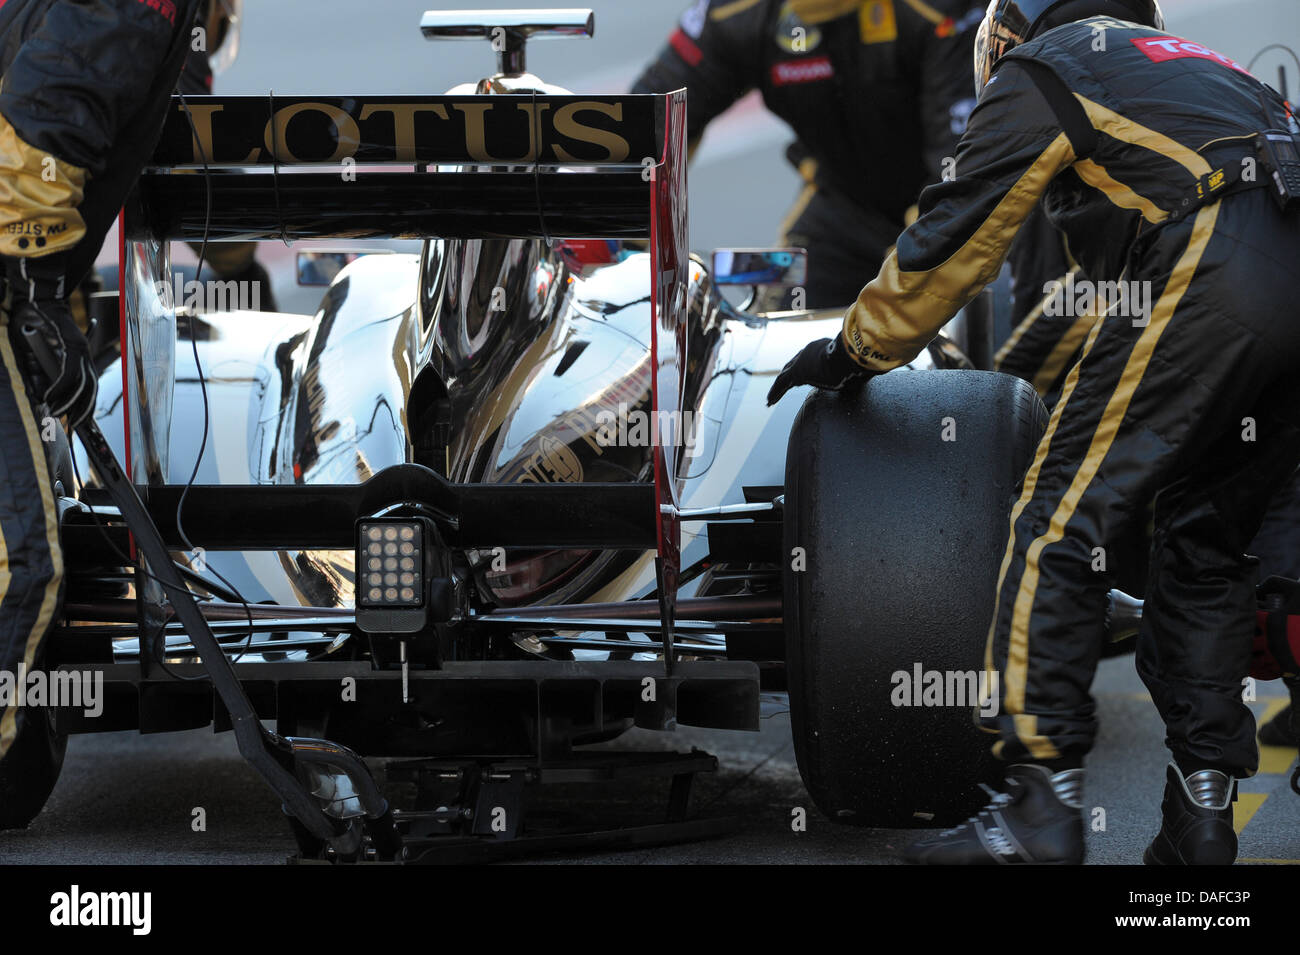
349	136
476	132
403	123
566	124
204	150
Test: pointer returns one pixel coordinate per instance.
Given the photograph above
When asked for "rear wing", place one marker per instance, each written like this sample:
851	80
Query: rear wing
379	167
376	167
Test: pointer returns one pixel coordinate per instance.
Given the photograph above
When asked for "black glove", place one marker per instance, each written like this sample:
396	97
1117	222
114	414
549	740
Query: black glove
64	378
823	364
72	391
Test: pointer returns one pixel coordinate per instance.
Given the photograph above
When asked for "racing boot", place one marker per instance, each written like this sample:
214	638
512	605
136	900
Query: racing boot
1197	827
1036	819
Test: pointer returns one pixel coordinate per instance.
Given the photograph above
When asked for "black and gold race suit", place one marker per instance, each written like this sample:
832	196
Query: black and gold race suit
1187	392
877	92
1043	345
83	91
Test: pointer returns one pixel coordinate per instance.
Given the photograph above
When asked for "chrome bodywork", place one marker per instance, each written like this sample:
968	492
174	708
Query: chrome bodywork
489	361
408	360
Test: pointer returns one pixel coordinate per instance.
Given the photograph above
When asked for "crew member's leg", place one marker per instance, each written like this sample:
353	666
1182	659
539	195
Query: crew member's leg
1141	408
1043	347
31	575
1194	648
1043	342
1195	663
845	244
1277	545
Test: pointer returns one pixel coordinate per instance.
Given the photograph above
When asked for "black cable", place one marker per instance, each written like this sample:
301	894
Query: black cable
275	165
94	519
537	176
180	504
185	570
207	413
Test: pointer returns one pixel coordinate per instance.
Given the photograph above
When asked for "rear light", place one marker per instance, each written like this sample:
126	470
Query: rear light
394	592
390	564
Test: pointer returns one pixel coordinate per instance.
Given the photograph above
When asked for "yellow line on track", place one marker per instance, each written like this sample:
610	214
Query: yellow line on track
1270	861
1247	805
1275	759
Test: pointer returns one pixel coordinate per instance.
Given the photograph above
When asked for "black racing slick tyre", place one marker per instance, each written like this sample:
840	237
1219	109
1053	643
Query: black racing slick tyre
897	510
30	768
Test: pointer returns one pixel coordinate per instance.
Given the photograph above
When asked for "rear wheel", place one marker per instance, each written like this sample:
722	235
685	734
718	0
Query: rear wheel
897	503
31	766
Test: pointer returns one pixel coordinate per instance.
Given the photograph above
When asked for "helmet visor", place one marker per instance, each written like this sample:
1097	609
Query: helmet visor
983	64
993	39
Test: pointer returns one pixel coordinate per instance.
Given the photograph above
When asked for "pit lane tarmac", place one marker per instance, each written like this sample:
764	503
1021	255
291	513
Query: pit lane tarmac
124	798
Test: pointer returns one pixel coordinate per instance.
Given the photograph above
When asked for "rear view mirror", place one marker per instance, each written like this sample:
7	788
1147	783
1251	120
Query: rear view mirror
319	268
781	268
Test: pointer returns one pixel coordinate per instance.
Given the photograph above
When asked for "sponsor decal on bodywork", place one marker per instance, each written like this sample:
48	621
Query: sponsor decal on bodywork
251	130
553	462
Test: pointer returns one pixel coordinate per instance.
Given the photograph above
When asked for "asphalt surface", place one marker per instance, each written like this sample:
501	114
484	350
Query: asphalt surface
124	798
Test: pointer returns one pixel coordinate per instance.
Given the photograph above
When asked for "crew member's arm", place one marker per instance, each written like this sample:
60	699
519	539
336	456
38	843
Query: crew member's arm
1013	147
79	79
63	100
708	54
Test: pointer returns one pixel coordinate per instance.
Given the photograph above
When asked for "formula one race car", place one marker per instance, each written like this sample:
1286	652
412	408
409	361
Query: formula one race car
519	492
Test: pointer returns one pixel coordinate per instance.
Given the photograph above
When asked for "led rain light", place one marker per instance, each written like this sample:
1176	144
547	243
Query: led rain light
390	563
